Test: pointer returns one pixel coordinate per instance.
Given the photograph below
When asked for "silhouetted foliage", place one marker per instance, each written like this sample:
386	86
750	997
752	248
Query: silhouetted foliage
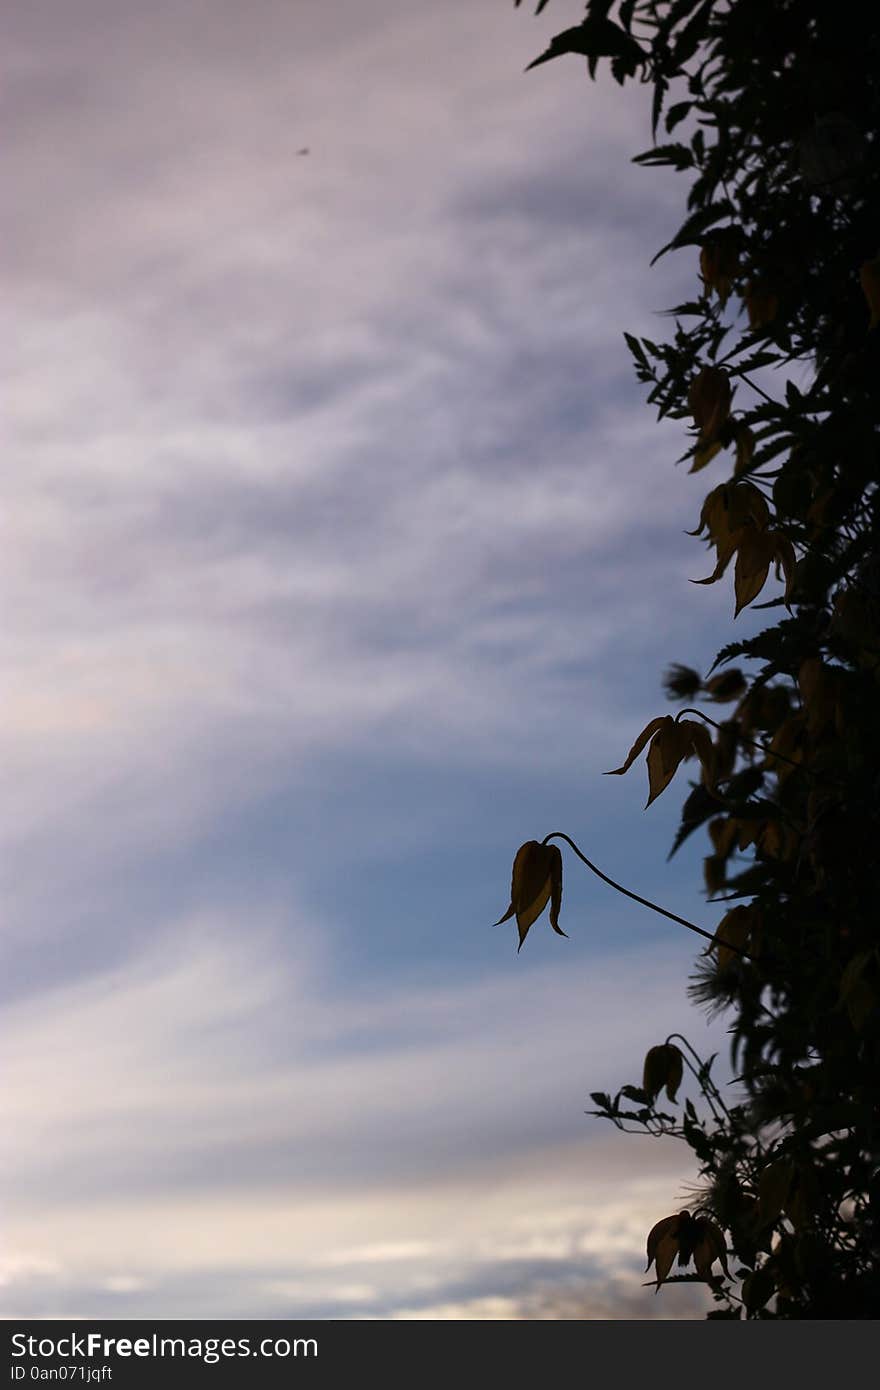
773	110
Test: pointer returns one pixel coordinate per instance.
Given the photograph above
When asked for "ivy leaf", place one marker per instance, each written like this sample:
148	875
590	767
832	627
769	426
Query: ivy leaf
691	230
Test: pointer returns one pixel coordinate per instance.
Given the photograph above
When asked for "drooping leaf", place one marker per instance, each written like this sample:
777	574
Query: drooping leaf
536	880
774	1186
663	760
709	1246
647	733
709	398
664	1067
663	1244
720	255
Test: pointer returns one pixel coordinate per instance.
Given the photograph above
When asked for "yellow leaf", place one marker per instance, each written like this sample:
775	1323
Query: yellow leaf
555	888
709	1246
704	454
709	399
802	1197
663	1244
762	303
648	732
746	504
723	831
713	514
667	1249
726	553
671	742
733	933
686	1237
719	261
819	686
787	742
745	449
774	1186
786	559
536	880
697	740
663	1067
770	841
666	752
753	560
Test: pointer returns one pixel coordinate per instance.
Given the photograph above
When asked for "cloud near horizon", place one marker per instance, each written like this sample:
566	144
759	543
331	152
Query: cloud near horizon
209	1112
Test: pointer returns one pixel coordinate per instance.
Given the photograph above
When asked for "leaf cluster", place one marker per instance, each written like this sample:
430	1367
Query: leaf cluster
773	113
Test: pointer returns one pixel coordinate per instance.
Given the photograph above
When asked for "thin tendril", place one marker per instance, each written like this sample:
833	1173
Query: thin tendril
645	902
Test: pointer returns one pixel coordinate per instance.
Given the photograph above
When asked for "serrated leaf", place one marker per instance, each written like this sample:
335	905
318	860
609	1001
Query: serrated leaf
637	350
697	809
692	228
594	38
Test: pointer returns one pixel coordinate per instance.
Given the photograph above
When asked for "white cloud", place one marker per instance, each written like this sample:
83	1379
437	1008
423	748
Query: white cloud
308	458
315	1155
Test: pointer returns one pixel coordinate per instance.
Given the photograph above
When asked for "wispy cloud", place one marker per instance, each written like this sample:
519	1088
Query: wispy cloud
207	1110
333	536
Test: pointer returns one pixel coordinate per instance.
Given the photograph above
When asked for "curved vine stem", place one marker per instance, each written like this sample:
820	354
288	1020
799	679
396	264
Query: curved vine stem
645	902
702	1076
762	747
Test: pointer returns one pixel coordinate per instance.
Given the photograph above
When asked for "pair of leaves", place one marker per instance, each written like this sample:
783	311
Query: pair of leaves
737	932
822	691
687	1237
718	428
536	880
671	742
729	507
755	552
789	1189
720	261
709	401
664	1067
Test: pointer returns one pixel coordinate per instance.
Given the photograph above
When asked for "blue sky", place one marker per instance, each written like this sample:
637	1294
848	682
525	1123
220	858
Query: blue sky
340	556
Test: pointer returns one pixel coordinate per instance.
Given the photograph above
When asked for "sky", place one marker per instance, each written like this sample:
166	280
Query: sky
340	555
